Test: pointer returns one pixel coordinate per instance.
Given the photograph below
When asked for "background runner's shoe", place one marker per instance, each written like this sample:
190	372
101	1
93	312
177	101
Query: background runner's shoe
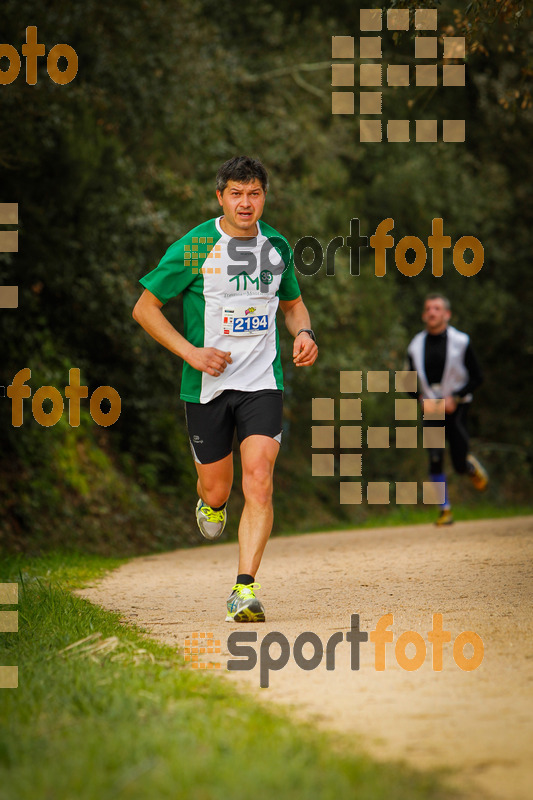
243	605
211	523
445	517
477	474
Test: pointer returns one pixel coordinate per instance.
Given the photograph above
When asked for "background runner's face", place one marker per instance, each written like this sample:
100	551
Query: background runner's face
436	315
242	204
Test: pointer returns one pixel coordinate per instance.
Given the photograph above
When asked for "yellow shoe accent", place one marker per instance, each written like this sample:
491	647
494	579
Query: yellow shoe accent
243	605
478	474
445	517
211	523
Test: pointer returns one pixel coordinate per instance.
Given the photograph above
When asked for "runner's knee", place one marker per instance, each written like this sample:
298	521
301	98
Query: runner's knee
214	493
257	483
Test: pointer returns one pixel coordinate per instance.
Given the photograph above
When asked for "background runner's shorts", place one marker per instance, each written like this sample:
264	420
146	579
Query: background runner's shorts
211	425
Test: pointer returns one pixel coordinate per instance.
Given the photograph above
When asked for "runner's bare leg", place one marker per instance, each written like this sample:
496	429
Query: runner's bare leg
215	481
258	456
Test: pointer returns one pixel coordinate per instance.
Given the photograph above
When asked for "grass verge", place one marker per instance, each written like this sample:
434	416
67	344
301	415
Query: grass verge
419	515
122	716
405	515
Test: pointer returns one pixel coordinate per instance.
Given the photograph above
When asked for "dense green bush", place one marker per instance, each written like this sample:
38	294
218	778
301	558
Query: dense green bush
113	167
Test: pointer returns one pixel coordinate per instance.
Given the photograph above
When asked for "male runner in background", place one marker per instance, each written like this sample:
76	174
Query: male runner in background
447	368
232	279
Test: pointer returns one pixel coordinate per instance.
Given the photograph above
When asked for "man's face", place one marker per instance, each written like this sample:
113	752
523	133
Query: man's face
242	204
436	315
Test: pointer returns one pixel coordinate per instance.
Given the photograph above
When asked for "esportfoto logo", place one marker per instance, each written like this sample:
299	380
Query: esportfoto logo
467	255
379	637
275	649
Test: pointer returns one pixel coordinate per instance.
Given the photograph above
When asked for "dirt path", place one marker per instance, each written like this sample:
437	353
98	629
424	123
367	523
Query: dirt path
478	575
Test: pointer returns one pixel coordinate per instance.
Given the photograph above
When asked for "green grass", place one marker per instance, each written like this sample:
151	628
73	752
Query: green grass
419	515
131	720
404	515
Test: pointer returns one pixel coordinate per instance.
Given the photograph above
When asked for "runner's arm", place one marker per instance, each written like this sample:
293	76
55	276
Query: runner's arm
147	312
475	376
304	351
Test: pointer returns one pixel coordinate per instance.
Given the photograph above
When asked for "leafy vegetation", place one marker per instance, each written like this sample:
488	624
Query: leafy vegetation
111	168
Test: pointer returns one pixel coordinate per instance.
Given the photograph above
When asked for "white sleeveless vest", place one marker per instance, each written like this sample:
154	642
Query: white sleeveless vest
455	374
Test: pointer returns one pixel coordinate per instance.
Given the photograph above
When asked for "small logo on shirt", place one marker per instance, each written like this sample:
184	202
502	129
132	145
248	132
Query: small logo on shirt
266	276
250	310
196	439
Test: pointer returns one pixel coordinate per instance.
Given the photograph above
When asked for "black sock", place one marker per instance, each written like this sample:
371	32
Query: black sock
246	579
218	508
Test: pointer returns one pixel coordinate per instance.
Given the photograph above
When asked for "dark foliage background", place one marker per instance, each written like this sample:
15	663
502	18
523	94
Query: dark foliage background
113	167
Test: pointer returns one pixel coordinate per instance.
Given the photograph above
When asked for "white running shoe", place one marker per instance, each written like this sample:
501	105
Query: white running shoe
477	473
211	523
243	605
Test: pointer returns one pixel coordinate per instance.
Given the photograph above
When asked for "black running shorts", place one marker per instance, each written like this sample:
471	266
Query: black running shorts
212	425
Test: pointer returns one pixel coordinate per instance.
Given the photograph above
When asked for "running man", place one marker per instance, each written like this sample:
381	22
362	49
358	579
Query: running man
233	272
447	368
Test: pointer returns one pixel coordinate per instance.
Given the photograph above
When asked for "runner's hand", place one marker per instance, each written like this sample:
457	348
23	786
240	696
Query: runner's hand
210	360
450	404
304	351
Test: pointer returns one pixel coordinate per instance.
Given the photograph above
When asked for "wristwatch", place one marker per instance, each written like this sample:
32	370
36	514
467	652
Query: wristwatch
309	331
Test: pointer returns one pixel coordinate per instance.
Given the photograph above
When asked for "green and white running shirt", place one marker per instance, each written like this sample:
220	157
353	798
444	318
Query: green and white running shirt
231	289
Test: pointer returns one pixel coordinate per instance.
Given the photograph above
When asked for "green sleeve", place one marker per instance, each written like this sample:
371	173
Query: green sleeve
288	288
171	277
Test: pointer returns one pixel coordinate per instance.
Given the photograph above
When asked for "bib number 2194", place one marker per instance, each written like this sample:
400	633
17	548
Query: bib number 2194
242	324
246	321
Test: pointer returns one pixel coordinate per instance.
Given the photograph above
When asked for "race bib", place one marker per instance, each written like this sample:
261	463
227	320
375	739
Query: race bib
245	319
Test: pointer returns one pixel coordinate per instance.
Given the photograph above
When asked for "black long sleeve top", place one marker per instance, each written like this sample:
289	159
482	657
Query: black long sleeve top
435	358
